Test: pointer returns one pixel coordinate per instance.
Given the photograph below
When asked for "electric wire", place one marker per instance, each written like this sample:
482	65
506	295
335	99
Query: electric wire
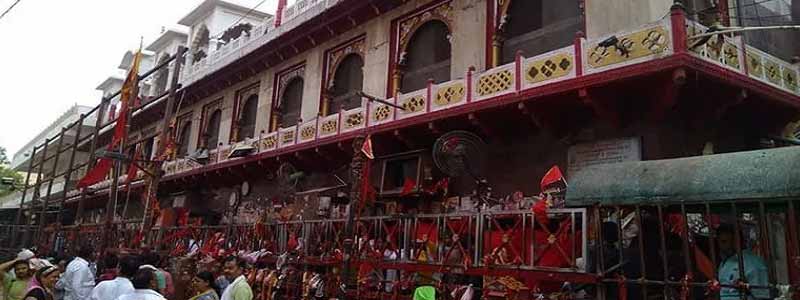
9	9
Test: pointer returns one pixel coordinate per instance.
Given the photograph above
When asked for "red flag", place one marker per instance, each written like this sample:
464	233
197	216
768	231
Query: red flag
367	148
127	93
408	186
96	174
704	264
552	176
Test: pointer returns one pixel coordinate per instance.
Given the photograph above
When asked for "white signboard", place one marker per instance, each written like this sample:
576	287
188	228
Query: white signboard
604	152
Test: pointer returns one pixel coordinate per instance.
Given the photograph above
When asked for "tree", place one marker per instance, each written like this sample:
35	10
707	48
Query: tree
6	172
3	156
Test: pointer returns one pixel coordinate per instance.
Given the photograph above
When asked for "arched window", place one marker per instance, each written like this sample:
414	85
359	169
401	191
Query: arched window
427	56
291	102
212	129
183	139
349	78
247	120
539	26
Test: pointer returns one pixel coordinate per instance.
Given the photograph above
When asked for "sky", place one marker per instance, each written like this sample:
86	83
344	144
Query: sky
54	53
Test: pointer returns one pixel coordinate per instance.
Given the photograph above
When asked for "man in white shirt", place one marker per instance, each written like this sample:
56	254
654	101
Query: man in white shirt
145	284
78	280
121	285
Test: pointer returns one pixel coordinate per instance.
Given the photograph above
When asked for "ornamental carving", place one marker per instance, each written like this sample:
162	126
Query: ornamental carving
629	47
442	12
354	120
336	55
413	104
450	95
381	113
270	142
773	71
329	127
547	68
790	79
308	132
501	7
731	54
287	137
496	82
754	66
284	77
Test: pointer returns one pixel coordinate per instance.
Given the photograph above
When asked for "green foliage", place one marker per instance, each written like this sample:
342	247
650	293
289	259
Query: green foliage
5	171
3	157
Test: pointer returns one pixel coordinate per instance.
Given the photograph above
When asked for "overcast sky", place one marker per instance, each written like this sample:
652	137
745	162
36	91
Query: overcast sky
53	53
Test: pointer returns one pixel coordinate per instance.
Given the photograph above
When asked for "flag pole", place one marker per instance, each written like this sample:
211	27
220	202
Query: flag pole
163	140
125	106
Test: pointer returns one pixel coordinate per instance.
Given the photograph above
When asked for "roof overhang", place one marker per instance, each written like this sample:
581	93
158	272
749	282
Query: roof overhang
761	174
127	59
166	37
208	6
109	82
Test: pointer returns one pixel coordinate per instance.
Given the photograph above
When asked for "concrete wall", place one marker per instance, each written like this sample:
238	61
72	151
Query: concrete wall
468	50
608	16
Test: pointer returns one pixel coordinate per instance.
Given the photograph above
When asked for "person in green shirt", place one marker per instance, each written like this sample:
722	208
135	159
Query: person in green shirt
15	285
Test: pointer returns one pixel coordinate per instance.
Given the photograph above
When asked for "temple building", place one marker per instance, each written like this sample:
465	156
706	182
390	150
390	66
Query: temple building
505	149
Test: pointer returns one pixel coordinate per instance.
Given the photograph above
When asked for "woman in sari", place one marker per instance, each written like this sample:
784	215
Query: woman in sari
44	283
204	286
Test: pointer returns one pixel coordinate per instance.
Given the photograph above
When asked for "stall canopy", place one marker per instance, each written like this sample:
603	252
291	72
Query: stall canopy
762	174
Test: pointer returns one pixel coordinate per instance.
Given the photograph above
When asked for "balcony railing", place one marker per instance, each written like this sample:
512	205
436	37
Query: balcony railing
237	48
587	57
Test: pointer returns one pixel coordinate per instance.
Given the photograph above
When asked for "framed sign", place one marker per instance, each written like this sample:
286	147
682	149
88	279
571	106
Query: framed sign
604	152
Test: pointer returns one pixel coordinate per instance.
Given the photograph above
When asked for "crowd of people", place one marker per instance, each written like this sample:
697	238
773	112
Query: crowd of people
122	277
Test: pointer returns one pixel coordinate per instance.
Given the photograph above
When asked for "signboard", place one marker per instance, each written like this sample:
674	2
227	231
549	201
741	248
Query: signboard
604	152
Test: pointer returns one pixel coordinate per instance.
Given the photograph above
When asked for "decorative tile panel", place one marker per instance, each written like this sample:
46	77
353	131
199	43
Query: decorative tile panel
381	113
287	136
790	79
646	43
549	67
269	142
353	119
449	94
494	82
414	103
308	131
754	66
721	50
770	69
328	126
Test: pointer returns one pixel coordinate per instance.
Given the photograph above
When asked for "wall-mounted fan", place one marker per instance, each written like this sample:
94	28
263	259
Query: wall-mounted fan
460	153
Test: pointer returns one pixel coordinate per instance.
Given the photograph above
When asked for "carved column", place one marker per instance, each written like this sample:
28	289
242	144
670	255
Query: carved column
326	103
497	48
396	77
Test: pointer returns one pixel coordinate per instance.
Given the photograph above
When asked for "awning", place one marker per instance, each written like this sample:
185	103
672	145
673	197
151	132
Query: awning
762	174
